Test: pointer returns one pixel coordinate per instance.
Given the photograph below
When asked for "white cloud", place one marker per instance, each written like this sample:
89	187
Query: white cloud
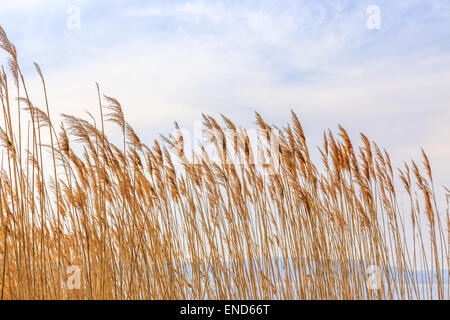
271	61
21	5
188	11
15	6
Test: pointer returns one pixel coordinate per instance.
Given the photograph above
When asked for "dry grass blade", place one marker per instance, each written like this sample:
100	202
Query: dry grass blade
104	221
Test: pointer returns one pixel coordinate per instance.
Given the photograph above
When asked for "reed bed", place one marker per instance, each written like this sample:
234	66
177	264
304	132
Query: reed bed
158	222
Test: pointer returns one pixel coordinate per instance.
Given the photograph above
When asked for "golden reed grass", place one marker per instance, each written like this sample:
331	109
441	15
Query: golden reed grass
138	228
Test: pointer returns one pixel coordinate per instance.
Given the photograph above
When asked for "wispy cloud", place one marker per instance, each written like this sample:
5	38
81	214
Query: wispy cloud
174	60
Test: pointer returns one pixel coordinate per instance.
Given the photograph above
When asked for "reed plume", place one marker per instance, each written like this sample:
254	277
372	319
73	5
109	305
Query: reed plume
84	218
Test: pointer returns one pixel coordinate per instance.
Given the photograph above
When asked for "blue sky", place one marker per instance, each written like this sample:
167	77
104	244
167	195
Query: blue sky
173	60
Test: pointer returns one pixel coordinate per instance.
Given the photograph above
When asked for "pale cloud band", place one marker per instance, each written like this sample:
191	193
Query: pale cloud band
174	60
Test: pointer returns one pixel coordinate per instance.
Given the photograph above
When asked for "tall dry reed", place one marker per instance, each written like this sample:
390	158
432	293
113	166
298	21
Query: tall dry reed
138	227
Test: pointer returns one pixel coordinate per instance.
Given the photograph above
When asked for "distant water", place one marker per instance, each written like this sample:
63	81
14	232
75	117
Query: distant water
390	277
